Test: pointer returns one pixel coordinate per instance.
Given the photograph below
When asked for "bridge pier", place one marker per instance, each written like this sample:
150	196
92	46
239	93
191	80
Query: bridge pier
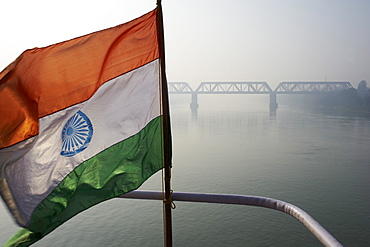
194	101
273	102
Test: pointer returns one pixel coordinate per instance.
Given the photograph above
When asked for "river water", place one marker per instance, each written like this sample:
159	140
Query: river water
317	161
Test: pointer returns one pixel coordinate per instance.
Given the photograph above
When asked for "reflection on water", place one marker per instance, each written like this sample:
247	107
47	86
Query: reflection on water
316	161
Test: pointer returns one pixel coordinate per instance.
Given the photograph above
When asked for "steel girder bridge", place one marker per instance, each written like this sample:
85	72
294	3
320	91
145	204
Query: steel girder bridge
311	87
255	88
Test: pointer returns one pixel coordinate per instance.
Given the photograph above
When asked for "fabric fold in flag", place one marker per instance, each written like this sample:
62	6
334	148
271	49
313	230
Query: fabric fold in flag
81	123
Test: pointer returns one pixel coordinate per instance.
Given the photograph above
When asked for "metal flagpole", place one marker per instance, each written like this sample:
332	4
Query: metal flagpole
167	200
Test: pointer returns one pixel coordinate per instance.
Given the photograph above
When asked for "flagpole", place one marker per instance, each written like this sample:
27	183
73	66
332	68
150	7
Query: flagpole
167	200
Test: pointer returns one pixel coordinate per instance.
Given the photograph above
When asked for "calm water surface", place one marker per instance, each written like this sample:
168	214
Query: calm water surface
318	162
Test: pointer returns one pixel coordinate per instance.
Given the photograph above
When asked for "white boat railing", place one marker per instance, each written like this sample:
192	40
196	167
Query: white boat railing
312	225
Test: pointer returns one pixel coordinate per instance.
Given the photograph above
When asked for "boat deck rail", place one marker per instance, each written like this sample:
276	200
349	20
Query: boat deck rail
309	222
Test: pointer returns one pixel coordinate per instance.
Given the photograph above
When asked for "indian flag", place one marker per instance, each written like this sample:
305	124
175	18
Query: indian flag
81	122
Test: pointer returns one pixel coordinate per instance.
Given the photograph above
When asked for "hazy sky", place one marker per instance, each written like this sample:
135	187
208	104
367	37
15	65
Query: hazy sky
214	40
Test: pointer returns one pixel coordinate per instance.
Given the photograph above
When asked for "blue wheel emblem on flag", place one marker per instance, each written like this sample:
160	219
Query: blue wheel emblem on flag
76	134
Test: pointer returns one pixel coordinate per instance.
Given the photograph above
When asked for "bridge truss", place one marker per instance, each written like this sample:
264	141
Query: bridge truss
311	87
233	88
179	88
255	88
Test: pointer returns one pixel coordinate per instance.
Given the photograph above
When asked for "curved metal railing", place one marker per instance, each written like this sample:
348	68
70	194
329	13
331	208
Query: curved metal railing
316	229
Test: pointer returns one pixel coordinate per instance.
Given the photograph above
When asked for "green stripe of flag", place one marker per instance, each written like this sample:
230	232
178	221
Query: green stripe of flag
113	172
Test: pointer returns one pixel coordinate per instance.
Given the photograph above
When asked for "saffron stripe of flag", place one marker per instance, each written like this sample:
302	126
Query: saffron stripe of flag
83	125
44	80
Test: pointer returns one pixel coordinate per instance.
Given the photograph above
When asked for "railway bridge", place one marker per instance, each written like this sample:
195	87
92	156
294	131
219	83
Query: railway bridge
255	88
